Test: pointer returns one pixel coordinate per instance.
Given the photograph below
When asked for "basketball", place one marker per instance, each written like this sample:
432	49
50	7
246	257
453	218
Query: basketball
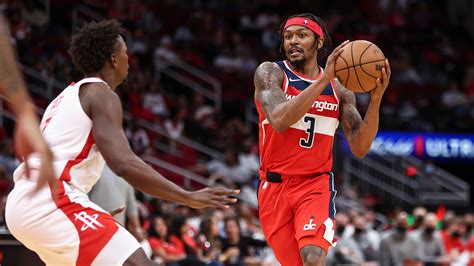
359	66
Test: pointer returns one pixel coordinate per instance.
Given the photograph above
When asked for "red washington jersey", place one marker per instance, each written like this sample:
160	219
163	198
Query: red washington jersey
305	148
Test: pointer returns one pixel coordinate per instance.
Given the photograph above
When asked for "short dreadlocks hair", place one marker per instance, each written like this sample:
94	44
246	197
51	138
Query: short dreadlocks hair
93	45
323	51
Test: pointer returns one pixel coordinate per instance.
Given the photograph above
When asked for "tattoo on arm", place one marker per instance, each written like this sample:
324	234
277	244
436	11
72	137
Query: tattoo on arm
350	117
268	80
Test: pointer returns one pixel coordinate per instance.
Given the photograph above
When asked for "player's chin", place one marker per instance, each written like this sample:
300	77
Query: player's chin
297	61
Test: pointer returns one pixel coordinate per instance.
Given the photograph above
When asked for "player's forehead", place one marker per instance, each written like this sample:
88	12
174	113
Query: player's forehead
295	29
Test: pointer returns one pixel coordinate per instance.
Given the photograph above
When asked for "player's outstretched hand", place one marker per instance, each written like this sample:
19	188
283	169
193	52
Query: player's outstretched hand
382	83
216	197
329	70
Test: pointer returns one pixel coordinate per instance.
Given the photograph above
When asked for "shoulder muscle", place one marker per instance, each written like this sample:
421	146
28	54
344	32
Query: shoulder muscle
268	76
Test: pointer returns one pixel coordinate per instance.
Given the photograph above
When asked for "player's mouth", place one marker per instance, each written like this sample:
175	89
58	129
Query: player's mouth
295	52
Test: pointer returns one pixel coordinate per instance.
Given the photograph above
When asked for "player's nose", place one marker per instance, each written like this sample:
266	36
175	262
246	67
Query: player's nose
294	39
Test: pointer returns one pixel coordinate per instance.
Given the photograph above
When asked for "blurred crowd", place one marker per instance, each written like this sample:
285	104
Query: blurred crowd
429	47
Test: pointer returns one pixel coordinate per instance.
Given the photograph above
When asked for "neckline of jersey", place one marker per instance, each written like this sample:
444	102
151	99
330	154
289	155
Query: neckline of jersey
321	70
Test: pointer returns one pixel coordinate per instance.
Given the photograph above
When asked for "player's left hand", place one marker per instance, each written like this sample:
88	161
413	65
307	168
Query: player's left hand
216	197
117	211
382	83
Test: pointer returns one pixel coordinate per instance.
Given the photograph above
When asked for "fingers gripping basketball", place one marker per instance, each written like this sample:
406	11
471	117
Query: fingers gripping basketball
359	66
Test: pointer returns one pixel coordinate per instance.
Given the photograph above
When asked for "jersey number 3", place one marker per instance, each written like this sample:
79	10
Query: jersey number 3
308	141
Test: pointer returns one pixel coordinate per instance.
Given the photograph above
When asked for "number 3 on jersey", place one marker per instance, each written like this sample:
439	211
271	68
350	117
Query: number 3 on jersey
308	141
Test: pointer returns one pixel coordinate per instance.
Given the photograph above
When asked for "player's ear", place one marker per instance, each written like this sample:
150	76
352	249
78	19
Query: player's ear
320	42
113	60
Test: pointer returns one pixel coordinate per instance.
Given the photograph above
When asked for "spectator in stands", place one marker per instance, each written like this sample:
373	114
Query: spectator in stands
181	237
453	97
227	170
452	238
163	251
174	125
236	247
154	102
419	214
428	242
470	250
469	224
34	15
204	119
139	138
249	224
347	251
396	248
208	239
366	238
164	54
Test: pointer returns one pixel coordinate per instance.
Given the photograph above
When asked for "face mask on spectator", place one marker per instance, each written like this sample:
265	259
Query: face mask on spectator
340	229
358	231
456	234
469	228
400	229
429	230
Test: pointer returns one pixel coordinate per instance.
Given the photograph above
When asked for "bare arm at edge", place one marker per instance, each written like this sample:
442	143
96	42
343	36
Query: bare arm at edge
105	110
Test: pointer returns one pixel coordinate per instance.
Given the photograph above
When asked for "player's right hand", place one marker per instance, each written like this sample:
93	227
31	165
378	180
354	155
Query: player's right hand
217	197
329	70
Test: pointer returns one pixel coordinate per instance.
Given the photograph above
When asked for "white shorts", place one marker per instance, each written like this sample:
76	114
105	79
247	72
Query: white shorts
69	231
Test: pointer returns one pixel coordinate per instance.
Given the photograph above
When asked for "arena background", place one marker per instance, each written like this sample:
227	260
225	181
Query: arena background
189	107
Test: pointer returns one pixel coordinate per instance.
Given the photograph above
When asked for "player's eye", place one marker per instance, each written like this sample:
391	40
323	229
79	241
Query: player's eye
287	37
302	35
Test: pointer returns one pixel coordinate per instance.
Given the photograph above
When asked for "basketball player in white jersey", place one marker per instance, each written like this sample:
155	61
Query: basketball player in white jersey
27	136
83	126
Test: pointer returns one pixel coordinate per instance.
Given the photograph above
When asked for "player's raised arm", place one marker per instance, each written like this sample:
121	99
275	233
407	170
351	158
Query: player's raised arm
27	135
361	133
105	110
281	113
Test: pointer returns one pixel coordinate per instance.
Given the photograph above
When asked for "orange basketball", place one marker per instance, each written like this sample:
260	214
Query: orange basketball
359	66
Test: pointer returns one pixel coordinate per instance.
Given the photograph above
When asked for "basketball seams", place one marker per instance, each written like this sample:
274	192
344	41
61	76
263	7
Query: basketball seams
355	71
362	54
345	62
362	67
369	62
346	68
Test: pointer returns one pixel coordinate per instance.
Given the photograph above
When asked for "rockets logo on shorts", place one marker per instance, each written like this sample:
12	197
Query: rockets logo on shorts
90	221
309	226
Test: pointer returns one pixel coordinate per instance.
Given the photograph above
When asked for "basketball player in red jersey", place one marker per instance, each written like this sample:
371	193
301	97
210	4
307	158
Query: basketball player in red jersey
83	128
300	106
27	135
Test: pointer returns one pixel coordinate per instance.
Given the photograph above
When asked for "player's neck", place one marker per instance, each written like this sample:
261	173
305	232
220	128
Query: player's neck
107	78
309	69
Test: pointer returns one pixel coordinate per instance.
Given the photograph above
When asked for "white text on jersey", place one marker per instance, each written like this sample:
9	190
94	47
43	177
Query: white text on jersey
320	106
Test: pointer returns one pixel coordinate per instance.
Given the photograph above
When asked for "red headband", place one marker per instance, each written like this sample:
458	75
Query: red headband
305	22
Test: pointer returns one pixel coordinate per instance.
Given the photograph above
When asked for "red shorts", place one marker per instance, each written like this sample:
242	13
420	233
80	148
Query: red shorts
297	212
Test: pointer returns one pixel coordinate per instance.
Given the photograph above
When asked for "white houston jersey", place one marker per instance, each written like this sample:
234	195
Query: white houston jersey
68	131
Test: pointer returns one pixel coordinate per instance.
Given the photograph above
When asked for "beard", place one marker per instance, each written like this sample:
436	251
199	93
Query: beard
298	62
